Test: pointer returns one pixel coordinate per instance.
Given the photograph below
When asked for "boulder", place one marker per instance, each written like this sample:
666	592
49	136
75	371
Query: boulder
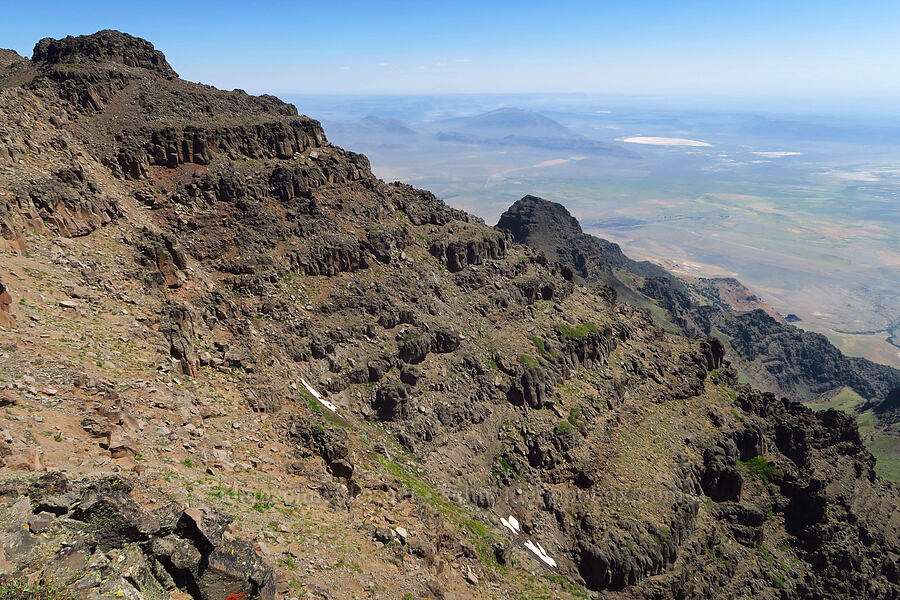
410	374
204	525
115	518
391	401
28	459
530	388
7	319
414	349
236	567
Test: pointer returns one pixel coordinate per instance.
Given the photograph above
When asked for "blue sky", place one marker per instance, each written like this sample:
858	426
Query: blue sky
729	47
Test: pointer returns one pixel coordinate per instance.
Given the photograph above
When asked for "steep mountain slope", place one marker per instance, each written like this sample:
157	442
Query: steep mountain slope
212	306
770	352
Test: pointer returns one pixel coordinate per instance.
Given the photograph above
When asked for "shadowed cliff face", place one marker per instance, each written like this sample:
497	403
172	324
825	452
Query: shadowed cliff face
200	289
775	354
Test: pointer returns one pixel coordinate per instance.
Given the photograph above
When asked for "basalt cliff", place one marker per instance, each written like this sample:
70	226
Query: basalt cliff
235	364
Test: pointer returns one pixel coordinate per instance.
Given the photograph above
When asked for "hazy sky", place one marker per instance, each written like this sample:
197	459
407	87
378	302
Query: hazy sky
759	47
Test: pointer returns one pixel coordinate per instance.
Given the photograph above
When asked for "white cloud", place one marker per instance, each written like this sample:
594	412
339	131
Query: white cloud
463	60
345	68
382	64
420	68
440	64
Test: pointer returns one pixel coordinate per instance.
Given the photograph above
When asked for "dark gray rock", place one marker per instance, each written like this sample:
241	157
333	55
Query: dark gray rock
391	401
721	479
530	388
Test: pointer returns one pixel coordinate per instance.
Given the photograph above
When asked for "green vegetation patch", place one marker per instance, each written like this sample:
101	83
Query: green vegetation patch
568	585
528	360
845	400
542	349
885	447
315	406
762	469
886	450
576	418
575	333
564	428
262	501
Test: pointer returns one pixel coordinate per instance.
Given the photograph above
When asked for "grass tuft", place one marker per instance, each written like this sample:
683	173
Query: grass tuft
576	333
762	469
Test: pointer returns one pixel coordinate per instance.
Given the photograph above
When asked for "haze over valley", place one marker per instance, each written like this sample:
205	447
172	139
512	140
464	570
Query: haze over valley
803	209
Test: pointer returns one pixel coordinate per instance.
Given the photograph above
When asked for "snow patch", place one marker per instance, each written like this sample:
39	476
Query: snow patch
511	523
515	523
319	397
539	551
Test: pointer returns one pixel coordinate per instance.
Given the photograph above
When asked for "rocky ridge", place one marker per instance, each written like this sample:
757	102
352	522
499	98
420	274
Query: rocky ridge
771	352
217	306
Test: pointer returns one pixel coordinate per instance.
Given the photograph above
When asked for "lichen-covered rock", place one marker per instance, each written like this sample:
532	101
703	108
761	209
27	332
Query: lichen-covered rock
235	567
100	542
115	517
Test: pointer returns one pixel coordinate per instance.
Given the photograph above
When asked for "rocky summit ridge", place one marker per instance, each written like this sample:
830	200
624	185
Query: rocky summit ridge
236	364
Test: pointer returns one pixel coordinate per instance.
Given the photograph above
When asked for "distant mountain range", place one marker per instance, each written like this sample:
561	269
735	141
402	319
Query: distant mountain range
372	125
501	127
508	121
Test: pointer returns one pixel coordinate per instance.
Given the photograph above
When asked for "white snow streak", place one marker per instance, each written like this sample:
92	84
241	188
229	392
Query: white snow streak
512	524
540	553
319	397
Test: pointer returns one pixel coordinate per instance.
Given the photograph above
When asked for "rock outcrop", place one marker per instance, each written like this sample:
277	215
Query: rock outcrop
550	228
91	536
103	46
